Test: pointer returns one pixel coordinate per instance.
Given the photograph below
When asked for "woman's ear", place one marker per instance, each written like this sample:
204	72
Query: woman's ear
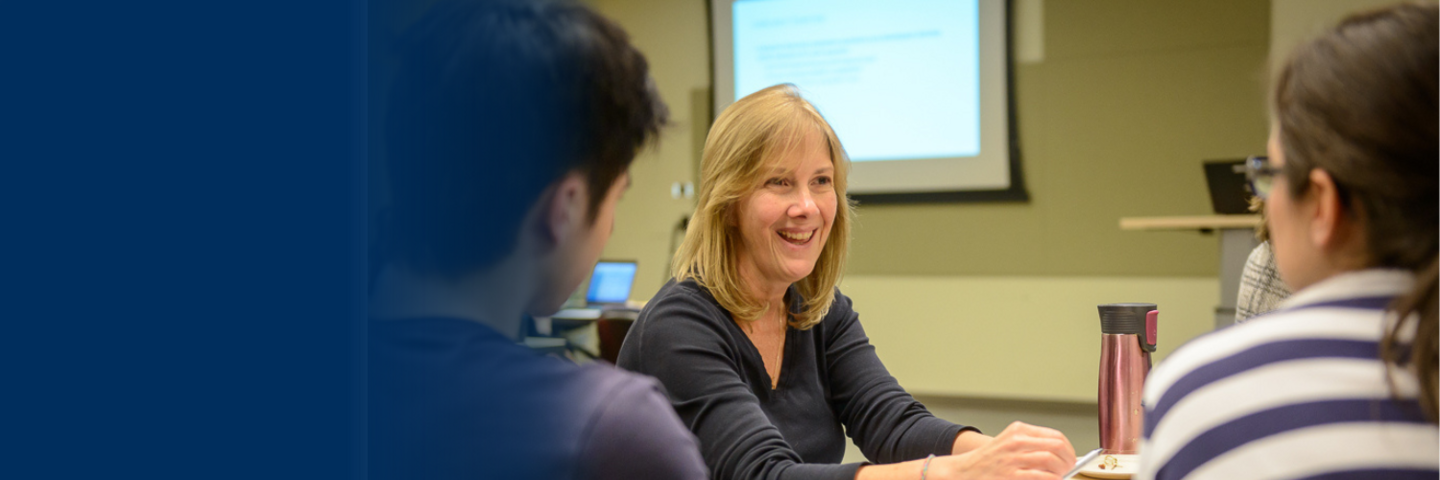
1327	214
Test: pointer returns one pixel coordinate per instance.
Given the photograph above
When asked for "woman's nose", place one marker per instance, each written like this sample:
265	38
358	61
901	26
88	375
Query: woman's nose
804	205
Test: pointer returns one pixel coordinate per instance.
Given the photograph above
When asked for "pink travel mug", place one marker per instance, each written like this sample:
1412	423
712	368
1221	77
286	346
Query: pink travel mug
1126	341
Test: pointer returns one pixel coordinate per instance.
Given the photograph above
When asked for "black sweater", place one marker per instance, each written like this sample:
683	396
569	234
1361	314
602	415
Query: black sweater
830	376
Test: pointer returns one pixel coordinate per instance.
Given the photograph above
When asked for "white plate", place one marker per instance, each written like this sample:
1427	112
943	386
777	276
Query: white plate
1124	467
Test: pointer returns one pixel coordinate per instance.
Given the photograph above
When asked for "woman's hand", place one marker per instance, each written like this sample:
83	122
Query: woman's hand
1022	451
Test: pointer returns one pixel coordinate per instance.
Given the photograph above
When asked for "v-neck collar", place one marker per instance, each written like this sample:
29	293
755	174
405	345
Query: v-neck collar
792	296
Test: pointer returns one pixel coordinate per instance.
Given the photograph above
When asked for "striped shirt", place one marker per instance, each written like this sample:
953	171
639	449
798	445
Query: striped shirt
1297	393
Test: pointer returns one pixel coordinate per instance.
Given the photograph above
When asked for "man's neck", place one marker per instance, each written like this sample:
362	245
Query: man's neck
496	297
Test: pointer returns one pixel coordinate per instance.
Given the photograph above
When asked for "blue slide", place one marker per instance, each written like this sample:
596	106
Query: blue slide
897	80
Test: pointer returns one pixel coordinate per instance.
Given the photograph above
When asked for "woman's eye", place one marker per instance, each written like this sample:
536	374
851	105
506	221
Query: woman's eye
823	180
776	181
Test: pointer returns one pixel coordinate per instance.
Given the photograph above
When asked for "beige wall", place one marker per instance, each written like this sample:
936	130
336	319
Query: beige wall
1035	338
673	36
1293	21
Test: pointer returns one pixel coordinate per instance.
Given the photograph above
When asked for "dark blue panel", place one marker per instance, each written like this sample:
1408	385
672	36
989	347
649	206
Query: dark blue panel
182	237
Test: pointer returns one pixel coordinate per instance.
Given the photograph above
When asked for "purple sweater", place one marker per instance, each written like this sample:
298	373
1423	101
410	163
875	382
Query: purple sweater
453	399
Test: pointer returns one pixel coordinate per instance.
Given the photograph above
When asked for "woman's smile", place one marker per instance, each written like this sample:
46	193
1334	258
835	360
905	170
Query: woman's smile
797	237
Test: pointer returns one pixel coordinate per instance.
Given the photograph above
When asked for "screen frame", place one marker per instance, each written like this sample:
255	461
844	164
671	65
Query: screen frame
721	46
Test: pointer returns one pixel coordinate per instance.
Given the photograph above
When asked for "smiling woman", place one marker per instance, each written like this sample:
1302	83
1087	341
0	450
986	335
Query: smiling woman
762	356
752	168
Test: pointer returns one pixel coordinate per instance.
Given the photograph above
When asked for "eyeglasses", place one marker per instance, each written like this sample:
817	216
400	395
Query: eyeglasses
1260	175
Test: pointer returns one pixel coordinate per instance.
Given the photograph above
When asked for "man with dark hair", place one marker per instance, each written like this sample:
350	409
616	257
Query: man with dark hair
510	127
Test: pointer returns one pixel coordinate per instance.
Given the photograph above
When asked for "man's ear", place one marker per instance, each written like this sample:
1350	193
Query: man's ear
1327	212
564	213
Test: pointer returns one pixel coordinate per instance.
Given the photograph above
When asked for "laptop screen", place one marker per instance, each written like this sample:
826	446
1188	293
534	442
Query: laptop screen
1229	194
611	282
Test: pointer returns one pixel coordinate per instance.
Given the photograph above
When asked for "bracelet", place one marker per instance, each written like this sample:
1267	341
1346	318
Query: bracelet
925	467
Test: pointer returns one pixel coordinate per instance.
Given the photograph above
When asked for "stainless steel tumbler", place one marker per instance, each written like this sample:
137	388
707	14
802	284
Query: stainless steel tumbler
1127	338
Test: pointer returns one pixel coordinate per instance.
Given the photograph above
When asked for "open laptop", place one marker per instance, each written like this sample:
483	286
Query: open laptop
1229	191
610	284
608	290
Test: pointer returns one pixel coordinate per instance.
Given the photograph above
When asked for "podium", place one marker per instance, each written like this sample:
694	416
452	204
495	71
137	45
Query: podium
1237	239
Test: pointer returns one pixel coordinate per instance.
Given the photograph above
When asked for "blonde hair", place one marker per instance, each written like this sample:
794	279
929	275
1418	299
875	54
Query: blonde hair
751	132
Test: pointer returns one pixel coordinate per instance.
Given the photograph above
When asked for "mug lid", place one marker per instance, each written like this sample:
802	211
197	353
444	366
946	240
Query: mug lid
1124	318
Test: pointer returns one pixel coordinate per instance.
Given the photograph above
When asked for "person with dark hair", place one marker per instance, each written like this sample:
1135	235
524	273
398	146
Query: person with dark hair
1340	381
509	131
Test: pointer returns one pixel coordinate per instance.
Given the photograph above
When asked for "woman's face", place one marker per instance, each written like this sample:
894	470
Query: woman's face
785	222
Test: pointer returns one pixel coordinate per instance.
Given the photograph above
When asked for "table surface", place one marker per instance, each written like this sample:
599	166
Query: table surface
1190	222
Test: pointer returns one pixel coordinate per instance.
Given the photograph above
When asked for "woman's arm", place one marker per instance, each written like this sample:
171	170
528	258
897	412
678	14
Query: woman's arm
890	426
680	340
969	440
1020	452
887	423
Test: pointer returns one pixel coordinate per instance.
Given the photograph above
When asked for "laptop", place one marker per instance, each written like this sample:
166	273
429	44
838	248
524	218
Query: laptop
607	291
610	284
1229	191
